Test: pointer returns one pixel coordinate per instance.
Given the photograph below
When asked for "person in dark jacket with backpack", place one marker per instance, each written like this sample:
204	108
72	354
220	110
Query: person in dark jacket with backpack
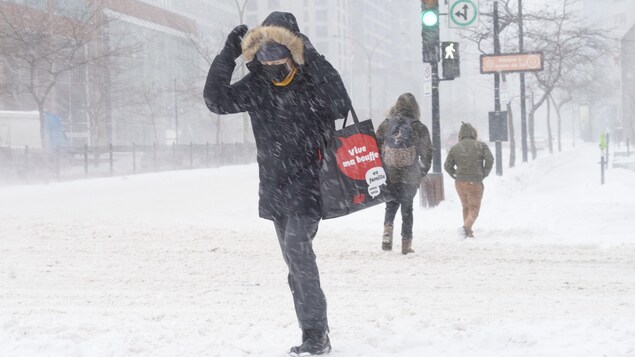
469	162
293	96
406	150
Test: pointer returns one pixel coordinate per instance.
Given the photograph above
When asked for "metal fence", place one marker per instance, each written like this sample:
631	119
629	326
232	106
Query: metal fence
26	165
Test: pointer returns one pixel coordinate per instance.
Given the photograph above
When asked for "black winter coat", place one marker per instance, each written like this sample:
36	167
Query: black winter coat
289	123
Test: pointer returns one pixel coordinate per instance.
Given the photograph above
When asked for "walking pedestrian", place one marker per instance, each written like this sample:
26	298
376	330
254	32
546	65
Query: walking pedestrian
406	150
469	162
293	96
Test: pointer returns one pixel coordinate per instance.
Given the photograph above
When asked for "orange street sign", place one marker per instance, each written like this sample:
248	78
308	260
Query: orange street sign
513	62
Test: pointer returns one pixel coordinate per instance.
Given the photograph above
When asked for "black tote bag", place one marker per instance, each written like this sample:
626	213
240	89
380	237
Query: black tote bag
352	176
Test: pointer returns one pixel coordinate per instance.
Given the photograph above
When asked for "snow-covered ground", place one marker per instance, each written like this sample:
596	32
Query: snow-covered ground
178	264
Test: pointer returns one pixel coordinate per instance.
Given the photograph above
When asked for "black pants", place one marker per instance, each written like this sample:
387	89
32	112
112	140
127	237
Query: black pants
403	195
295	234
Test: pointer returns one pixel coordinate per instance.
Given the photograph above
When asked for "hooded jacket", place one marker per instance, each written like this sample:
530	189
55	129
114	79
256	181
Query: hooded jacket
407	108
469	160
289	123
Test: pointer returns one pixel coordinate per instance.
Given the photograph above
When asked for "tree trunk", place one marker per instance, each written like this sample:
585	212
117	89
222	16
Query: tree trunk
549	133
40	108
558	113
512	140
530	127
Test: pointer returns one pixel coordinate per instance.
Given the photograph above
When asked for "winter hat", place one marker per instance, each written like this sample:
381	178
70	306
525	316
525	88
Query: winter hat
272	51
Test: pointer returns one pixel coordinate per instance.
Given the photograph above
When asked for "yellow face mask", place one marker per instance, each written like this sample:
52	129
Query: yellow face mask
287	80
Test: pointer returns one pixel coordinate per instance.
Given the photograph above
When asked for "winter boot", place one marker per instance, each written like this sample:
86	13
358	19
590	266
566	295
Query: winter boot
314	342
386	241
462	233
406	246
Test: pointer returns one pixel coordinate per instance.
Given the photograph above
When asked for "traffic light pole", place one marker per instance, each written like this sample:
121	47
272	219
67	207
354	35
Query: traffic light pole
497	101
436	119
523	99
432	185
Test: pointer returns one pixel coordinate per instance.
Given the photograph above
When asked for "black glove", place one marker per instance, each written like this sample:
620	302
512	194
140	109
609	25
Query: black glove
232	45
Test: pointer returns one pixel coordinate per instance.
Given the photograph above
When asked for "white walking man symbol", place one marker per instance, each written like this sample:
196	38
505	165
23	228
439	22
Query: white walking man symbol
449	51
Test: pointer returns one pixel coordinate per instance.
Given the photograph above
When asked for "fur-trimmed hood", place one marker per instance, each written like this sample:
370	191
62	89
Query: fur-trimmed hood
280	27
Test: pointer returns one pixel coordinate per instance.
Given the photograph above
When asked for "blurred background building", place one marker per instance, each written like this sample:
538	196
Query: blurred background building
150	91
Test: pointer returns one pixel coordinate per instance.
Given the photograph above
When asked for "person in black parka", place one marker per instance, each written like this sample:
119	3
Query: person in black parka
293	96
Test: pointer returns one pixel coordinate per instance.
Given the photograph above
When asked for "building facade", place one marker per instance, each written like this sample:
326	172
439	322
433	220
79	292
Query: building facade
618	17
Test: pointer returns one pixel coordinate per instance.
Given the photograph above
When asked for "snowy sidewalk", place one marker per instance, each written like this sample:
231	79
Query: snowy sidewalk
178	264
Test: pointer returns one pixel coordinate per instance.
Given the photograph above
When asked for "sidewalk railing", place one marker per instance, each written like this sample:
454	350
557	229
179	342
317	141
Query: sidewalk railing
26	165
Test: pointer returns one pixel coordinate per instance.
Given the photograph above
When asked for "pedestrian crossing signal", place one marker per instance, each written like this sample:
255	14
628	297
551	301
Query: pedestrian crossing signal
450	60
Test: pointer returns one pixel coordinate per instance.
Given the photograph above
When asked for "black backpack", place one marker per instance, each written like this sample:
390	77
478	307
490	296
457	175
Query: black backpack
400	143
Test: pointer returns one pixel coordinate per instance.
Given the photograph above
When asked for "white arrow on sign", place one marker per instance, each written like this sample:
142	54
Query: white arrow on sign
463	13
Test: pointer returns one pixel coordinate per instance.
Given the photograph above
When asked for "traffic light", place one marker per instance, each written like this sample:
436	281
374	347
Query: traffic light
430	30
450	60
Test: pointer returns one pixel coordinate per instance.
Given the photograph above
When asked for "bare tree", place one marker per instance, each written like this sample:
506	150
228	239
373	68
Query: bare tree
42	46
565	41
207	49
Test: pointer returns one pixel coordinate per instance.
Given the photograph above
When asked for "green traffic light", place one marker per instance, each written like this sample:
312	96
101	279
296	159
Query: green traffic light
429	18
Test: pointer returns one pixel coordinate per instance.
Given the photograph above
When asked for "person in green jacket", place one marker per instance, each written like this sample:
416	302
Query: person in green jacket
468	162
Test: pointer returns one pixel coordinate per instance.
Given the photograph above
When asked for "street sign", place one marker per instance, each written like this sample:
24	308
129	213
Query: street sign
427	79
498	126
463	13
511	62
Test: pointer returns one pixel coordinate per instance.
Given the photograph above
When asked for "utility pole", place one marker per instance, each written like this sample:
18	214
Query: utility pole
433	184
523	108
497	101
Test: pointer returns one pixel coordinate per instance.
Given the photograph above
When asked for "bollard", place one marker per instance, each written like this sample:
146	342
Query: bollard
602	170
